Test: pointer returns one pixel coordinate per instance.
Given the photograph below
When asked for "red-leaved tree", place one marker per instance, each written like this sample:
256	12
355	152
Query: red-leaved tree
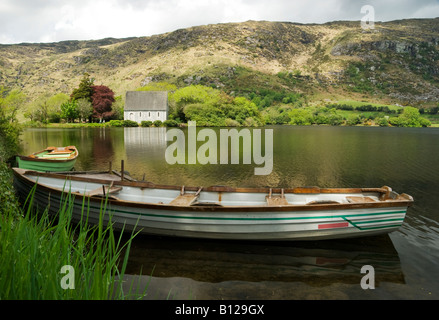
102	99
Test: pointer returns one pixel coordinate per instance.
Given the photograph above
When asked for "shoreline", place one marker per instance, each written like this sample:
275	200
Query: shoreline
106	125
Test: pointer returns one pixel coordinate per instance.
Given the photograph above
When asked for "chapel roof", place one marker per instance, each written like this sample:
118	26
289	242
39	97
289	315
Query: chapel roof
146	101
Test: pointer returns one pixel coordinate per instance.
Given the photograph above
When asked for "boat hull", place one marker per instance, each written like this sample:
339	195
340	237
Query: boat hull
49	165
50	160
253	222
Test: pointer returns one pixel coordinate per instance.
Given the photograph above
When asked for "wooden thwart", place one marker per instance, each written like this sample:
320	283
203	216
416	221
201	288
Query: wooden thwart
352	199
104	190
278	200
185	199
60	150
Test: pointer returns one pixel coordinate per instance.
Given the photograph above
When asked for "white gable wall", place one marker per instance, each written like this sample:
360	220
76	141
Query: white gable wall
140	116
146	106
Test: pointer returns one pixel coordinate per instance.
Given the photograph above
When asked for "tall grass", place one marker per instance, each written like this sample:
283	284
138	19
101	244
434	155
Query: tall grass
34	249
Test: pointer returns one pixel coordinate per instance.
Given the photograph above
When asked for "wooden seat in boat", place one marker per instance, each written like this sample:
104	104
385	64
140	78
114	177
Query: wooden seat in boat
322	202
353	199
104	190
185	199
277	200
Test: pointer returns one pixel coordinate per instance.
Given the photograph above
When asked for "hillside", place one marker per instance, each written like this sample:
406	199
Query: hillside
397	62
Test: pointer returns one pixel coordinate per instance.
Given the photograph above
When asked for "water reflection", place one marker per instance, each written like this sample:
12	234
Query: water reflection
213	263
103	148
144	138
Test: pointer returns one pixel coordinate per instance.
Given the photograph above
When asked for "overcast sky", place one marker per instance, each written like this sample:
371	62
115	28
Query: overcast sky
58	20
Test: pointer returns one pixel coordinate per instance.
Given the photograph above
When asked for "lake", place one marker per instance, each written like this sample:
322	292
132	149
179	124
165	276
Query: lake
405	262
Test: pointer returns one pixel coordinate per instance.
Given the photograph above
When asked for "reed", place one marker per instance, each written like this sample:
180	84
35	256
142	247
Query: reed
34	249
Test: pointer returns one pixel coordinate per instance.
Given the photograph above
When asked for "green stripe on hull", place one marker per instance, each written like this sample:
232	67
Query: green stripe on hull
257	219
345	217
356	224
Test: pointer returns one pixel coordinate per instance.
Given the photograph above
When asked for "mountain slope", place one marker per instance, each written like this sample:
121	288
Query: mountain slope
398	61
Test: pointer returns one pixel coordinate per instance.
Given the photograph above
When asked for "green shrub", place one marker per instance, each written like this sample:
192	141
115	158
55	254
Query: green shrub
122	123
157	123
276	115
130	123
329	116
341	107
55	117
115	123
7	193
382	122
9	136
205	115
170	123
353	120
231	123
434	110
410	117
300	117
146	123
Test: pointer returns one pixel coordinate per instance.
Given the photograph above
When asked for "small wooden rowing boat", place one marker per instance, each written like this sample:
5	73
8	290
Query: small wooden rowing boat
220	212
50	159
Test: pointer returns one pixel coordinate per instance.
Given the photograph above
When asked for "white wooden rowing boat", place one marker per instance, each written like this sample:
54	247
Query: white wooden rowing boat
221	212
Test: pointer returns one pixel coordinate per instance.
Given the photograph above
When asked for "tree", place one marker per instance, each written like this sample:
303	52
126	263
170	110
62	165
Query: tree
85	109
102	99
85	89
9	128
38	110
46	108
118	107
211	107
54	103
69	111
193	94
410	117
300	117
11	102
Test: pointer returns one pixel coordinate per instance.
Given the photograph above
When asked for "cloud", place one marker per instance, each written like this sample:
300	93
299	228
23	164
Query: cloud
57	20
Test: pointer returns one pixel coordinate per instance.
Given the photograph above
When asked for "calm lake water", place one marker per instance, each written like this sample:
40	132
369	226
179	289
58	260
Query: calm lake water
406	262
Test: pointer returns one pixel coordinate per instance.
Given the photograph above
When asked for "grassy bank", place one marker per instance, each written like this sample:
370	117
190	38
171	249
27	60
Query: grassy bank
42	258
46	257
